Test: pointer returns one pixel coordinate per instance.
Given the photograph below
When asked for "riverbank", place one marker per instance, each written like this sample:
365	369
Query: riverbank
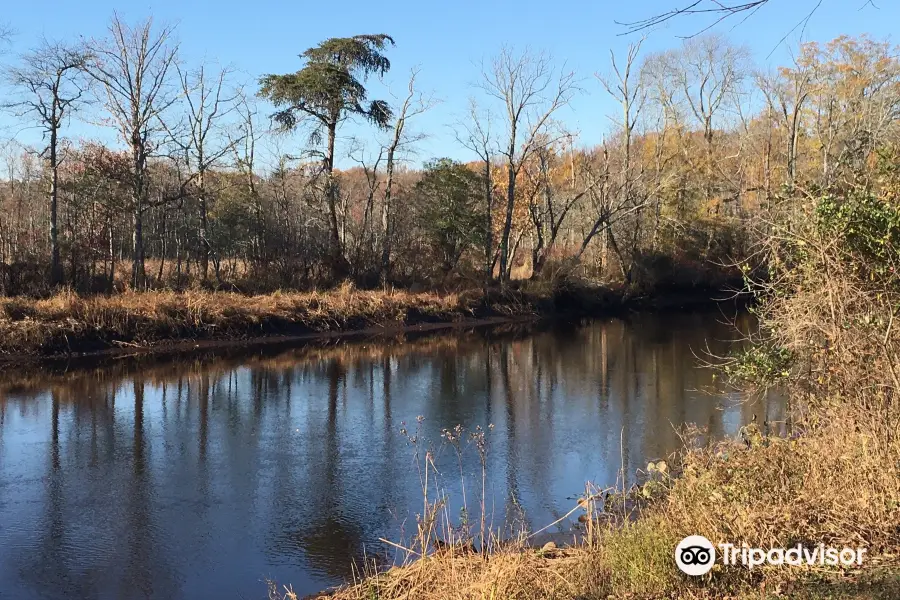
777	493
69	325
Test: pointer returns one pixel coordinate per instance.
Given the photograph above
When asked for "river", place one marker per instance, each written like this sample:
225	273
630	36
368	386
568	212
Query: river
203	476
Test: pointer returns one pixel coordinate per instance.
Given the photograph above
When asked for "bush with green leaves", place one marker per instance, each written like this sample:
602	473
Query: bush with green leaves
760	364
865	229
451	210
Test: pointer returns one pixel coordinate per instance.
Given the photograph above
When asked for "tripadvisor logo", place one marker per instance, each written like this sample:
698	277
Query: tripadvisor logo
695	555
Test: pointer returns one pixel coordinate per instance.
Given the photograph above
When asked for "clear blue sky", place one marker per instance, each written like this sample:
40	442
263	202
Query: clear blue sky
447	40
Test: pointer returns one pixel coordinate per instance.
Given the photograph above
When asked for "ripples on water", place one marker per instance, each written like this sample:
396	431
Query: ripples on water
199	478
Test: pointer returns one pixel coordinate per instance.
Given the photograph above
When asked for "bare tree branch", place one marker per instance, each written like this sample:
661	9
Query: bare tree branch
133	68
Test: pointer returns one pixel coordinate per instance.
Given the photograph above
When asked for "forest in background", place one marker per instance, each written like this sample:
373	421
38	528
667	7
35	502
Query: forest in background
714	168
204	189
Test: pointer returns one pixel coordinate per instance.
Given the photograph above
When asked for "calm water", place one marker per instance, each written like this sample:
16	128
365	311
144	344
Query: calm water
201	478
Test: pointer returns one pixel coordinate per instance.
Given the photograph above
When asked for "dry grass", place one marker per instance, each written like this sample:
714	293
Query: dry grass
68	322
775	495
511	573
835	487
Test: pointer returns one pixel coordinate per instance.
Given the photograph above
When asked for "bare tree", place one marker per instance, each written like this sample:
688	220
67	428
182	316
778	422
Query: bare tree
531	91
608	204
476	134
786	95
412	105
709	73
662	122
133	68
628	90
242	141
627	86
550	203
49	84
370	169
201	141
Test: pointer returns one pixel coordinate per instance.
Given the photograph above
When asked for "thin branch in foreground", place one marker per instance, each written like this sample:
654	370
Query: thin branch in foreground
697	7
718	9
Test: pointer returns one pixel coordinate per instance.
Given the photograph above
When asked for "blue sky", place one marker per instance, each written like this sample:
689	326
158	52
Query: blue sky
447	40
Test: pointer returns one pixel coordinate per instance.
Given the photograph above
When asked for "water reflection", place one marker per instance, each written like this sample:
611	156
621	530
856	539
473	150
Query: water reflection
194	479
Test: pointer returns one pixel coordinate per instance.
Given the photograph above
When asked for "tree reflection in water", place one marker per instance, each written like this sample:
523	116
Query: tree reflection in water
187	478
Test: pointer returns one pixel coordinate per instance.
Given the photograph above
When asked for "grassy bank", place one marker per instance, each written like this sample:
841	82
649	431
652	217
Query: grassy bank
778	493
67	323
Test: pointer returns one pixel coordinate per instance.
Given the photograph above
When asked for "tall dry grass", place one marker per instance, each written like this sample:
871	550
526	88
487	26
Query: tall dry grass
68	322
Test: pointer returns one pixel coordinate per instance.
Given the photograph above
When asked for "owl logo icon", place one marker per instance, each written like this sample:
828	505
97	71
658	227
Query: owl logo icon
695	555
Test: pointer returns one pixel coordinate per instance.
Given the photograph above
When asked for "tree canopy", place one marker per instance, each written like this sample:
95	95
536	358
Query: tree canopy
331	84
449	194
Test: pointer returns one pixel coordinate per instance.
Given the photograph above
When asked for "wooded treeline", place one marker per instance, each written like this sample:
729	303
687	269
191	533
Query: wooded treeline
203	187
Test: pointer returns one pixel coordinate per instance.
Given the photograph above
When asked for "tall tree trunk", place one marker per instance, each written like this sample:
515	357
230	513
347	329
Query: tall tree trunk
204	225
163	247
538	258
138	192
386	218
56	274
489	256
112	255
510	206
625	269
386	206
793	140
339	262
138	273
